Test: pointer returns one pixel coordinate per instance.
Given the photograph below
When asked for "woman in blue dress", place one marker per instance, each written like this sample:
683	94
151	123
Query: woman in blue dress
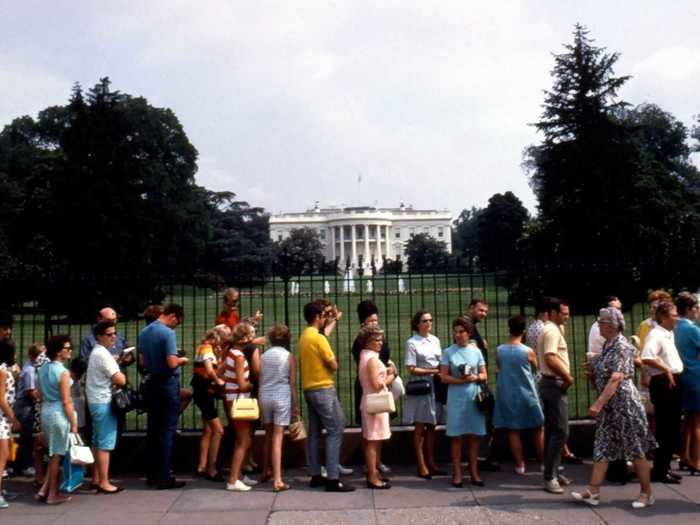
517	404
688	343
462	368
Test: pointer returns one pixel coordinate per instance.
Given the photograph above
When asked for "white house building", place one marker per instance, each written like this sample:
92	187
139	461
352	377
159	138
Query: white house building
365	232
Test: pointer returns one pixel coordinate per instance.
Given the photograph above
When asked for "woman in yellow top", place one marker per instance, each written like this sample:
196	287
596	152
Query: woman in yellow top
204	385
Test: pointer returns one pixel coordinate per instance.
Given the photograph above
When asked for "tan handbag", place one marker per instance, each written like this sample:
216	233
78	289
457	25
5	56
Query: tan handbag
297	430
245	409
380	403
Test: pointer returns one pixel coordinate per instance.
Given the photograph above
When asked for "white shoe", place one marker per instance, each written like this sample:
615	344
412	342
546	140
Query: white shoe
383	468
238	486
520	470
553	487
587	497
643	501
29	472
324	472
563	480
249	482
345	471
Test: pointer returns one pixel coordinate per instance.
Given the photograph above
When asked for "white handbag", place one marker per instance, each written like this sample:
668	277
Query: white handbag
78	452
397	388
380	403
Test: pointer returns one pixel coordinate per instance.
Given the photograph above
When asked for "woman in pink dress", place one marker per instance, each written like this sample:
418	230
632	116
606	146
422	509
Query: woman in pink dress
374	379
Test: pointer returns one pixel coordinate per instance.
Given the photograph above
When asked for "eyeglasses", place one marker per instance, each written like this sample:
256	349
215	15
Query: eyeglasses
69	347
113	334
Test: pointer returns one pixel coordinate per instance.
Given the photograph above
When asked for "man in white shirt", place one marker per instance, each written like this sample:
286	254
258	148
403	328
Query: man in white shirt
664	365
553	358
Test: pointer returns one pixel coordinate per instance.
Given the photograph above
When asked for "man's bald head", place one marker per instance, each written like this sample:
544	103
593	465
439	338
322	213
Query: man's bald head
107	314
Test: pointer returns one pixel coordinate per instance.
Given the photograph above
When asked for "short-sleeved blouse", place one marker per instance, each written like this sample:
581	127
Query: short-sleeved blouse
423	352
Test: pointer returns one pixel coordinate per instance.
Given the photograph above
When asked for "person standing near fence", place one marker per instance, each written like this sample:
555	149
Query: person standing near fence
537	325
8	419
318	363
660	356
27	395
102	374
477	312
553	355
160	360
116	348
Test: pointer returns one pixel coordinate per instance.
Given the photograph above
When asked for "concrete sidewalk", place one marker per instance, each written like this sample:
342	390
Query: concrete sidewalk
506	498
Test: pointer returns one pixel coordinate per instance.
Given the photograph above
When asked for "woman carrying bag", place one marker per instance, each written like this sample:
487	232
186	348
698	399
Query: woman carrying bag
278	400
463	369
238	387
374	379
58	417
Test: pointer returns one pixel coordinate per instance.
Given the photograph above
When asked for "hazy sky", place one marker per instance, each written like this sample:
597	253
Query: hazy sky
290	102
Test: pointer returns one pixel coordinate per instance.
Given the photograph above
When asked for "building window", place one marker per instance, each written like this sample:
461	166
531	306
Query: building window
441	233
382	232
411	232
322	233
359	232
398	234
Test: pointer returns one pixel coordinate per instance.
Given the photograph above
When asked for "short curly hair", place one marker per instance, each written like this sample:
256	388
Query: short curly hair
367	333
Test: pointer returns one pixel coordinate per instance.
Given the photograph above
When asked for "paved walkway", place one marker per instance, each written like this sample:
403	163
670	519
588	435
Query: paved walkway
507	498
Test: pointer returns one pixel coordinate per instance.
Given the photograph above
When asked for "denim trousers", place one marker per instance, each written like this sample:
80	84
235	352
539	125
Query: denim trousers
325	412
163	406
555	406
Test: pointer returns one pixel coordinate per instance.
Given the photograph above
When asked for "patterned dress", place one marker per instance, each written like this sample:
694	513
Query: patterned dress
5	425
622	431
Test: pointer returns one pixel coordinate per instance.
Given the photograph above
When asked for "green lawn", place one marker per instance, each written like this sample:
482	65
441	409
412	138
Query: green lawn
445	296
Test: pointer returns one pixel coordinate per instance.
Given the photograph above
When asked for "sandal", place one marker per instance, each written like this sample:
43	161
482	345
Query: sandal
40	497
280	488
58	499
384	485
644	500
587	497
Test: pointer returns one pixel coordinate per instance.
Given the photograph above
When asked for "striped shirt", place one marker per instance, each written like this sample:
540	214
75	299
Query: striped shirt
231	387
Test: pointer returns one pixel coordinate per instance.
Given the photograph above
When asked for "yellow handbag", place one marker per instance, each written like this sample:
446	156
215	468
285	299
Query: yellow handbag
245	409
13	450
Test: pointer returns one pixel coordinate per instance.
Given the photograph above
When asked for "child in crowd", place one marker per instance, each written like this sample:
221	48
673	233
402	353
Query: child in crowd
77	371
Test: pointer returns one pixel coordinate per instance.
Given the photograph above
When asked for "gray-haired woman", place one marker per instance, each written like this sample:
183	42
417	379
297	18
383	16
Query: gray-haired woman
622	431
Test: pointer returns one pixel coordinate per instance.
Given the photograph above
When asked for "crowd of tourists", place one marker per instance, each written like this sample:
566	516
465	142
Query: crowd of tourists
647	407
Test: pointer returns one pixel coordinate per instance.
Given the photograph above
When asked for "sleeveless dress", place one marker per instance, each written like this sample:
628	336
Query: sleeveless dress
375	427
517	403
54	422
275	394
5	426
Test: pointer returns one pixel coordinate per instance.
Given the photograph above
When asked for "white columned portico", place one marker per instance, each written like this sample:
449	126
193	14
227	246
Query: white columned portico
367	254
353	237
342	244
332	243
388	242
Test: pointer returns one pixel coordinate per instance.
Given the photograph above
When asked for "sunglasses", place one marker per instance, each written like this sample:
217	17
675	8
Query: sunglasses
426	320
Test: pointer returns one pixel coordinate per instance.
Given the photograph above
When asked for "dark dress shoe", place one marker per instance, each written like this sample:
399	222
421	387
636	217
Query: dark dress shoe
669	480
335	485
317	481
116	490
171	484
674	475
436	471
478	482
424	476
384	485
489	466
457	485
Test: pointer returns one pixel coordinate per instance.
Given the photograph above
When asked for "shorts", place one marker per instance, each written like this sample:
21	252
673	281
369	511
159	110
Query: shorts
104	426
205	402
276	411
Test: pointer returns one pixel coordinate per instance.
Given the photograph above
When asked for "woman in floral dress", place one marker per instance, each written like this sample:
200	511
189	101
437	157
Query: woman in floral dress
622	431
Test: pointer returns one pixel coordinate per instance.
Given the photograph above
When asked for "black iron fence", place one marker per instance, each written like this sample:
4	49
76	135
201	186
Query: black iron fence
446	295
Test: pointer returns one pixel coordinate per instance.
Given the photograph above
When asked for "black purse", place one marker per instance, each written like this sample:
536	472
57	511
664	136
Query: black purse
484	398
126	399
418	388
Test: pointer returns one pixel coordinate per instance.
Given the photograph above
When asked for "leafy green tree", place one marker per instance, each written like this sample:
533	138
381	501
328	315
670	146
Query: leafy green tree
465	237
500	227
300	253
425	254
240	249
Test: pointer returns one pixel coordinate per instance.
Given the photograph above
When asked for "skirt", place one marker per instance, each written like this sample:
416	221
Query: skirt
56	428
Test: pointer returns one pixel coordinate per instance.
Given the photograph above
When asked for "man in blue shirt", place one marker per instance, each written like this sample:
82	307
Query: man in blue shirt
159	359
117	349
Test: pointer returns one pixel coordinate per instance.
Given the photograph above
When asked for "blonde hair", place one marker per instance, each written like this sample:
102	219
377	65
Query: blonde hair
243	333
218	335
